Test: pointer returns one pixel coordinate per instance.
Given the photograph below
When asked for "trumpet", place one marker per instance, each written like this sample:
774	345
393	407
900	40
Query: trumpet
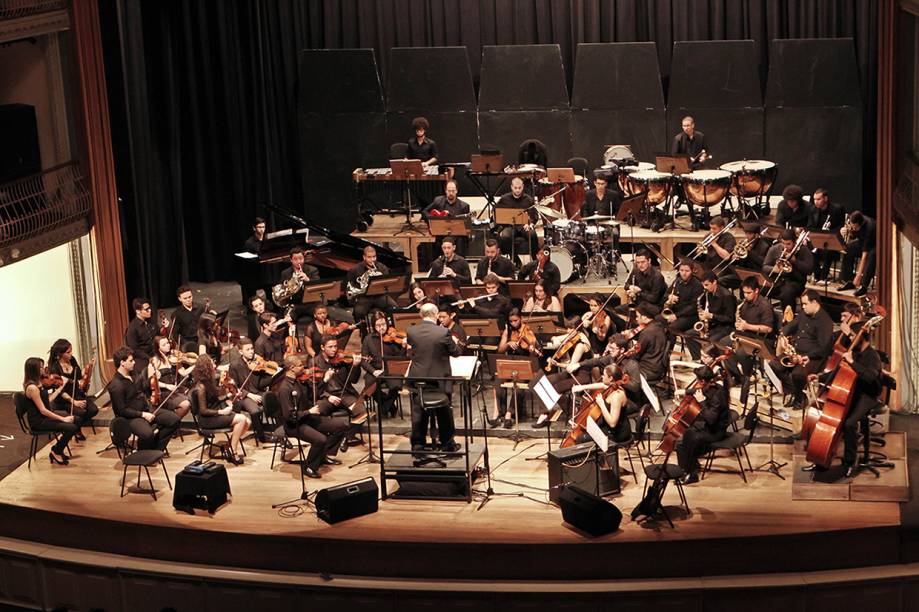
701	326
702	247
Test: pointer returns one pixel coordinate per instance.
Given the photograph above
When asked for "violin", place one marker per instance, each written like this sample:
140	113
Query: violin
339	361
525	338
164	325
155	388
49	379
263	365
337	330
88	373
310	374
394	336
291	346
228	386
574	337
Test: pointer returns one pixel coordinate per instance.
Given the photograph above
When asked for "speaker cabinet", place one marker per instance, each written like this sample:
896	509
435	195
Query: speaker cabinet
348	500
587	512
577	465
19	155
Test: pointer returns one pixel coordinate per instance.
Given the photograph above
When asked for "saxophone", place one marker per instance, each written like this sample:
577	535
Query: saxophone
701	326
672	299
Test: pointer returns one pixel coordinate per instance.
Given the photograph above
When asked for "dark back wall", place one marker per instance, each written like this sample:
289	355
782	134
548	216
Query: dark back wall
204	94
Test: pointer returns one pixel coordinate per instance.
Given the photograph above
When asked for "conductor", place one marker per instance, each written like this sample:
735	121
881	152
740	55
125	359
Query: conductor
432	346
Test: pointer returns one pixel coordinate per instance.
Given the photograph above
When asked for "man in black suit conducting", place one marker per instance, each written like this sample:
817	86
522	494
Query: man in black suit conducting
432	346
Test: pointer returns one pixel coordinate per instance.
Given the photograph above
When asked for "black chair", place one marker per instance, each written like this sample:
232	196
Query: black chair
273	415
580	165
629	445
21	402
736	442
398	150
430	400
667	472
208	434
120	430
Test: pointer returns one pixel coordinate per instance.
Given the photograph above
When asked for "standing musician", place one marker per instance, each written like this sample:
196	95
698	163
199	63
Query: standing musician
323	326
252	382
359	278
185	318
432	346
215	408
755	318
866	362
810	336
72	397
253	243
166	371
495	263
302	419
824	216
597	323
270	342
542	269
450	265
129	402
40	415
691	142
376	347
140	332
860	258
421	147
717	313
207	337
654	355
756	247
521	237
516	339
789	284
600	200
336	391
710	426
681	305
542	300
792	211
612	401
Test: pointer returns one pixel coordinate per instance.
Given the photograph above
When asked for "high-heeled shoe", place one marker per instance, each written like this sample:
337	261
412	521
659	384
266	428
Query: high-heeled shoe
79	437
233	458
63	460
495	422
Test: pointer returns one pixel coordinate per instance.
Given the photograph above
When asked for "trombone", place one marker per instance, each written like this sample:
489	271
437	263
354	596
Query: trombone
702	248
783	264
741	250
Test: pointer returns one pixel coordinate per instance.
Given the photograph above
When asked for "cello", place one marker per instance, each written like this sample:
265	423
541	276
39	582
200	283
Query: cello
823	434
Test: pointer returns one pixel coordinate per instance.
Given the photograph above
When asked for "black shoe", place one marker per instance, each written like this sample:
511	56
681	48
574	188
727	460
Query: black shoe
846	286
495	422
311	473
62	461
813	468
851	471
417	448
541	424
331	461
450	447
508	423
344	446
79	437
860	291
690	478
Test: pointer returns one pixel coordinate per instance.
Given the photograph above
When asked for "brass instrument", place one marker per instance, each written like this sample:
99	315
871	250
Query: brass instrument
283	291
672	298
846	232
826	224
783	265
629	282
786	352
363	281
702	247
701	326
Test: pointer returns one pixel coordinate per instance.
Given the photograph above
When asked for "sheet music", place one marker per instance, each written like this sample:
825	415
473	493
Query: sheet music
546	392
463	366
770	373
650	394
597	435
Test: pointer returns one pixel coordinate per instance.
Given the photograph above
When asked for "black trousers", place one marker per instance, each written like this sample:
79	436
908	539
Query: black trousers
365	303
446	428
157	434
850	263
324	435
694	444
67	431
794	380
81	416
680	325
787	292
715	334
563	381
514	240
857	414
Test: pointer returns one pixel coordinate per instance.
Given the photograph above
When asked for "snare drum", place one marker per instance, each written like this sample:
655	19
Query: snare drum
566	229
570	257
706	187
624	171
657	184
751	177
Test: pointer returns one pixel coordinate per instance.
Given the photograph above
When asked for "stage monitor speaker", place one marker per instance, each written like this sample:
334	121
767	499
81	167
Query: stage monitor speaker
577	465
522	77
19	154
347	501
602	69
588	512
714	74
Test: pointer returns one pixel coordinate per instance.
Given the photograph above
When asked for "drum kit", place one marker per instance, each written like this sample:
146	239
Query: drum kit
582	247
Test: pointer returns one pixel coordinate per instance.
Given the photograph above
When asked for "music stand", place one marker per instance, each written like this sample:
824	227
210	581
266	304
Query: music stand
516	369
672	164
828	241
391	286
743	274
630	208
322	291
437	287
547	323
471	291
489	163
441	226
407	170
477	327
773	232
560	175
512	217
486	164
520	290
772	466
401	320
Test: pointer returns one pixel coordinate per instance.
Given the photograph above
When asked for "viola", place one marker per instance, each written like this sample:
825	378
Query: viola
394	336
88	373
155	387
291	346
574	337
263	365
228	385
164	325
341	328
310	374
339	361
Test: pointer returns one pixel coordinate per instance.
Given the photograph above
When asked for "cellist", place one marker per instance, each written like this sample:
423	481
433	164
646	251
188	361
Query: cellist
710	426
612	404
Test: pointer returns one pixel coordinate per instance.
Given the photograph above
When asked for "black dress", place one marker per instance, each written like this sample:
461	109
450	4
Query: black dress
72	388
208	407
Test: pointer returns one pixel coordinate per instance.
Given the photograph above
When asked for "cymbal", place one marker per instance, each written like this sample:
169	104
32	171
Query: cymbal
610	223
596	218
549	212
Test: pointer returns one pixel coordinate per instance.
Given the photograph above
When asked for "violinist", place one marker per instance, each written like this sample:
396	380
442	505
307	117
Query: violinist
153	429
866	362
810	335
568	347
516	339
208	344
40	415
270	343
682	300
185	320
597	322
215	408
654	355
446	317
612	401
167	371
140	332
542	269
790	284
618	351
450	265
323	326
377	346
542	300
301	418
710	426
336	392
72	399
718	312
252	380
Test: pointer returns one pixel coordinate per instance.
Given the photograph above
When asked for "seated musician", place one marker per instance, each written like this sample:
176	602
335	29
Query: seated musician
375	347
824	216
562	350
866	362
601	200
304	273
72	398
140	333
756	245
516	339
792	211
446	317
542	269
612	402
207	342
850	315
710	426
40	415
717	309
681	305
252	383
720	252
270	342
518	239
542	300
860	259
301	418
597	322
493	307
257	305
152	429
185	320
336	392
321	326
810	334
789	285
755	318
449	206
450	265
166	367
215	409
495	263
359	278
254	242
421	147
645	285
654	353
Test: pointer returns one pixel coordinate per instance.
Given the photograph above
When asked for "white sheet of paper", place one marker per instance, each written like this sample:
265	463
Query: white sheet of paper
546	392
597	435
770	374
650	394
463	366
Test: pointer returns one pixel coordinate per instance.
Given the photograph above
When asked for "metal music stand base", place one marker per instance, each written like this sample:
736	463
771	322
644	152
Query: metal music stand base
772	466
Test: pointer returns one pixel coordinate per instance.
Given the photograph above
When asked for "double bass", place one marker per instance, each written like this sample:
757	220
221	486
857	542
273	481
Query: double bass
822	427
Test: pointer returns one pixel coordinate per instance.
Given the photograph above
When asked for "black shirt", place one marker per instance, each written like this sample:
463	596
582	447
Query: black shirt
247	380
817	218
651	283
457	208
866	235
185	326
424	151
139	336
501	266
723	306
714	415
688	293
786	217
524	201
727	242
376	350
495	307
654	355
457	264
594	205
811	335
356	272
802	263
758	312
756	255
253	244
684	145
128	400
342	380
270	348
292	396
551	275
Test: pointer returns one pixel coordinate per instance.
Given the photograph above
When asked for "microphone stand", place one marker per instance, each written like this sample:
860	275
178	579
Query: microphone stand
306	497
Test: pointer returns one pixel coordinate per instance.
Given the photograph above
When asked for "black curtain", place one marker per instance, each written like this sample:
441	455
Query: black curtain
203	94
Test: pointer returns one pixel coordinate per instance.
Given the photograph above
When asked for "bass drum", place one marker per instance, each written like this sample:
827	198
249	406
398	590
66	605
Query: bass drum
570	257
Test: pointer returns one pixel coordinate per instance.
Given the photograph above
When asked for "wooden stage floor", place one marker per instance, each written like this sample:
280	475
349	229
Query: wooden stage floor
733	527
